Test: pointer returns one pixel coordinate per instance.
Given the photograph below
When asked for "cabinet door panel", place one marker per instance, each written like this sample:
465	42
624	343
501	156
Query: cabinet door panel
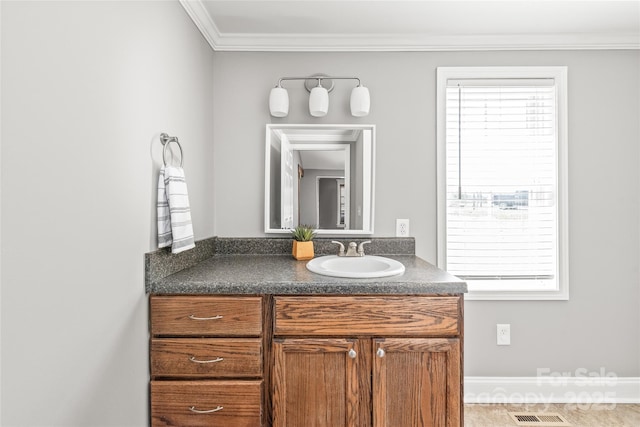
416	382
321	382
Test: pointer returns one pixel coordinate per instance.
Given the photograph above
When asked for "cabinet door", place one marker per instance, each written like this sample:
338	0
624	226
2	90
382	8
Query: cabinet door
321	382
416	382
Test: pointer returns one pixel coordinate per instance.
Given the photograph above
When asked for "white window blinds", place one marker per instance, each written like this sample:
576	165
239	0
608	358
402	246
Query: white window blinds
501	181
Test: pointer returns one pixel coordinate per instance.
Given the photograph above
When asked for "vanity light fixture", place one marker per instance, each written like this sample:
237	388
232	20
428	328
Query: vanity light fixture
319	101
319	87
279	101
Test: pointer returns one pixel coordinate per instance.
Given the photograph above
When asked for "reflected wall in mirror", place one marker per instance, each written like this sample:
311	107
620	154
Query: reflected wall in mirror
319	175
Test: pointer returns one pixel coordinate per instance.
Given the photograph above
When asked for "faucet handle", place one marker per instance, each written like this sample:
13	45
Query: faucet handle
341	253
361	247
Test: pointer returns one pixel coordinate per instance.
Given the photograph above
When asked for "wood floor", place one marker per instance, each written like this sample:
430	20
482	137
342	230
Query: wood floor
602	415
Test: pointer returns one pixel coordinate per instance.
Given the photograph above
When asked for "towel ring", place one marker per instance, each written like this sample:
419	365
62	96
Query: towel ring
166	140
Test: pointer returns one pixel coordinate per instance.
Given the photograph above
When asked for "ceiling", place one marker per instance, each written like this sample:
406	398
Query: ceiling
418	25
321	158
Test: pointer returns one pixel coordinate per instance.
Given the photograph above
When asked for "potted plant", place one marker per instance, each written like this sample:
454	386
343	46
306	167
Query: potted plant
303	242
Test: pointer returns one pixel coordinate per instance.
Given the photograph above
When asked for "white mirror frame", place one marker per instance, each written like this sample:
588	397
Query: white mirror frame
368	185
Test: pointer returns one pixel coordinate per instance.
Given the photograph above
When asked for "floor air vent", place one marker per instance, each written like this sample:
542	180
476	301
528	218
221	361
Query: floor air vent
538	419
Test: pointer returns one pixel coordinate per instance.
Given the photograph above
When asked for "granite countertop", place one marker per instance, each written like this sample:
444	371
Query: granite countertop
281	274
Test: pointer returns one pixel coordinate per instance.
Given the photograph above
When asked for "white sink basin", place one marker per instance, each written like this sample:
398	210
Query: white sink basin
364	267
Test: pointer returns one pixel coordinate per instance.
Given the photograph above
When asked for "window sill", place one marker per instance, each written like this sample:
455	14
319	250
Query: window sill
555	295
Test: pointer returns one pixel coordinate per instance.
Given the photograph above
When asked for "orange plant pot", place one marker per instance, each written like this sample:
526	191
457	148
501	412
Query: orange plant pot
302	251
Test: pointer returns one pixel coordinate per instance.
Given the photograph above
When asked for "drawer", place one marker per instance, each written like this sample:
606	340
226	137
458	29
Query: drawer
367	316
206	315
206	357
206	403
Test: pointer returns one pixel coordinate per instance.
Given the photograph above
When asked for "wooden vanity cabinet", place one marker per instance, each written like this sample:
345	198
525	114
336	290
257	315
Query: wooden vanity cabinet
312	361
206	360
392	361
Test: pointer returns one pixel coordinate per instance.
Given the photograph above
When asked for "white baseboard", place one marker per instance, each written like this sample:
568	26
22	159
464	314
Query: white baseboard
579	390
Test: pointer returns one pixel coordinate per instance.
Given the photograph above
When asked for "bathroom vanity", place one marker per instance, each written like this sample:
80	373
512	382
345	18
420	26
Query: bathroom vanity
258	340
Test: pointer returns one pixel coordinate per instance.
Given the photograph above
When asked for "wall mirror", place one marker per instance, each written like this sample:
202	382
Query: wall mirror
320	175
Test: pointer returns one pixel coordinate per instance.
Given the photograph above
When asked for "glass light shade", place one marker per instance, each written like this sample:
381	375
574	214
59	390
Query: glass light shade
279	102
319	102
360	101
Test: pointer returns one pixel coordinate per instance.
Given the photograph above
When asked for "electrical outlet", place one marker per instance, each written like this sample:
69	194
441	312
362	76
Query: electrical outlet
402	228
504	334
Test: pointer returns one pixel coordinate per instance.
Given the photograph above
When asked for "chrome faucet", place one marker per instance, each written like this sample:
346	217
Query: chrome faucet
341	253
361	247
352	251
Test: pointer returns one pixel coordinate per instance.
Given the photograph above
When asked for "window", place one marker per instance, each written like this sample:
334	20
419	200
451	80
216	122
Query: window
502	180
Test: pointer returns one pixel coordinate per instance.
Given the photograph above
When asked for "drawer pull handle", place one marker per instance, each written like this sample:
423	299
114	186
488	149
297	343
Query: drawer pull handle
217	359
352	354
380	353
209	411
192	317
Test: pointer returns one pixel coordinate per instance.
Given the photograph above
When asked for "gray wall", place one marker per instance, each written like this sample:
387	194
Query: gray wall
86	89
600	325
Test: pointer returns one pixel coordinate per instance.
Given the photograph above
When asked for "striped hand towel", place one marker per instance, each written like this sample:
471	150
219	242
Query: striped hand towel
174	215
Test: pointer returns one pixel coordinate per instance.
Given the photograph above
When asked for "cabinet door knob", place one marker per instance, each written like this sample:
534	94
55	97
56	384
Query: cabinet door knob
380	353
352	354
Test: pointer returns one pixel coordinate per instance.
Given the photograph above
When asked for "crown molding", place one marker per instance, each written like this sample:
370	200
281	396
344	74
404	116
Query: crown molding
199	15
399	42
